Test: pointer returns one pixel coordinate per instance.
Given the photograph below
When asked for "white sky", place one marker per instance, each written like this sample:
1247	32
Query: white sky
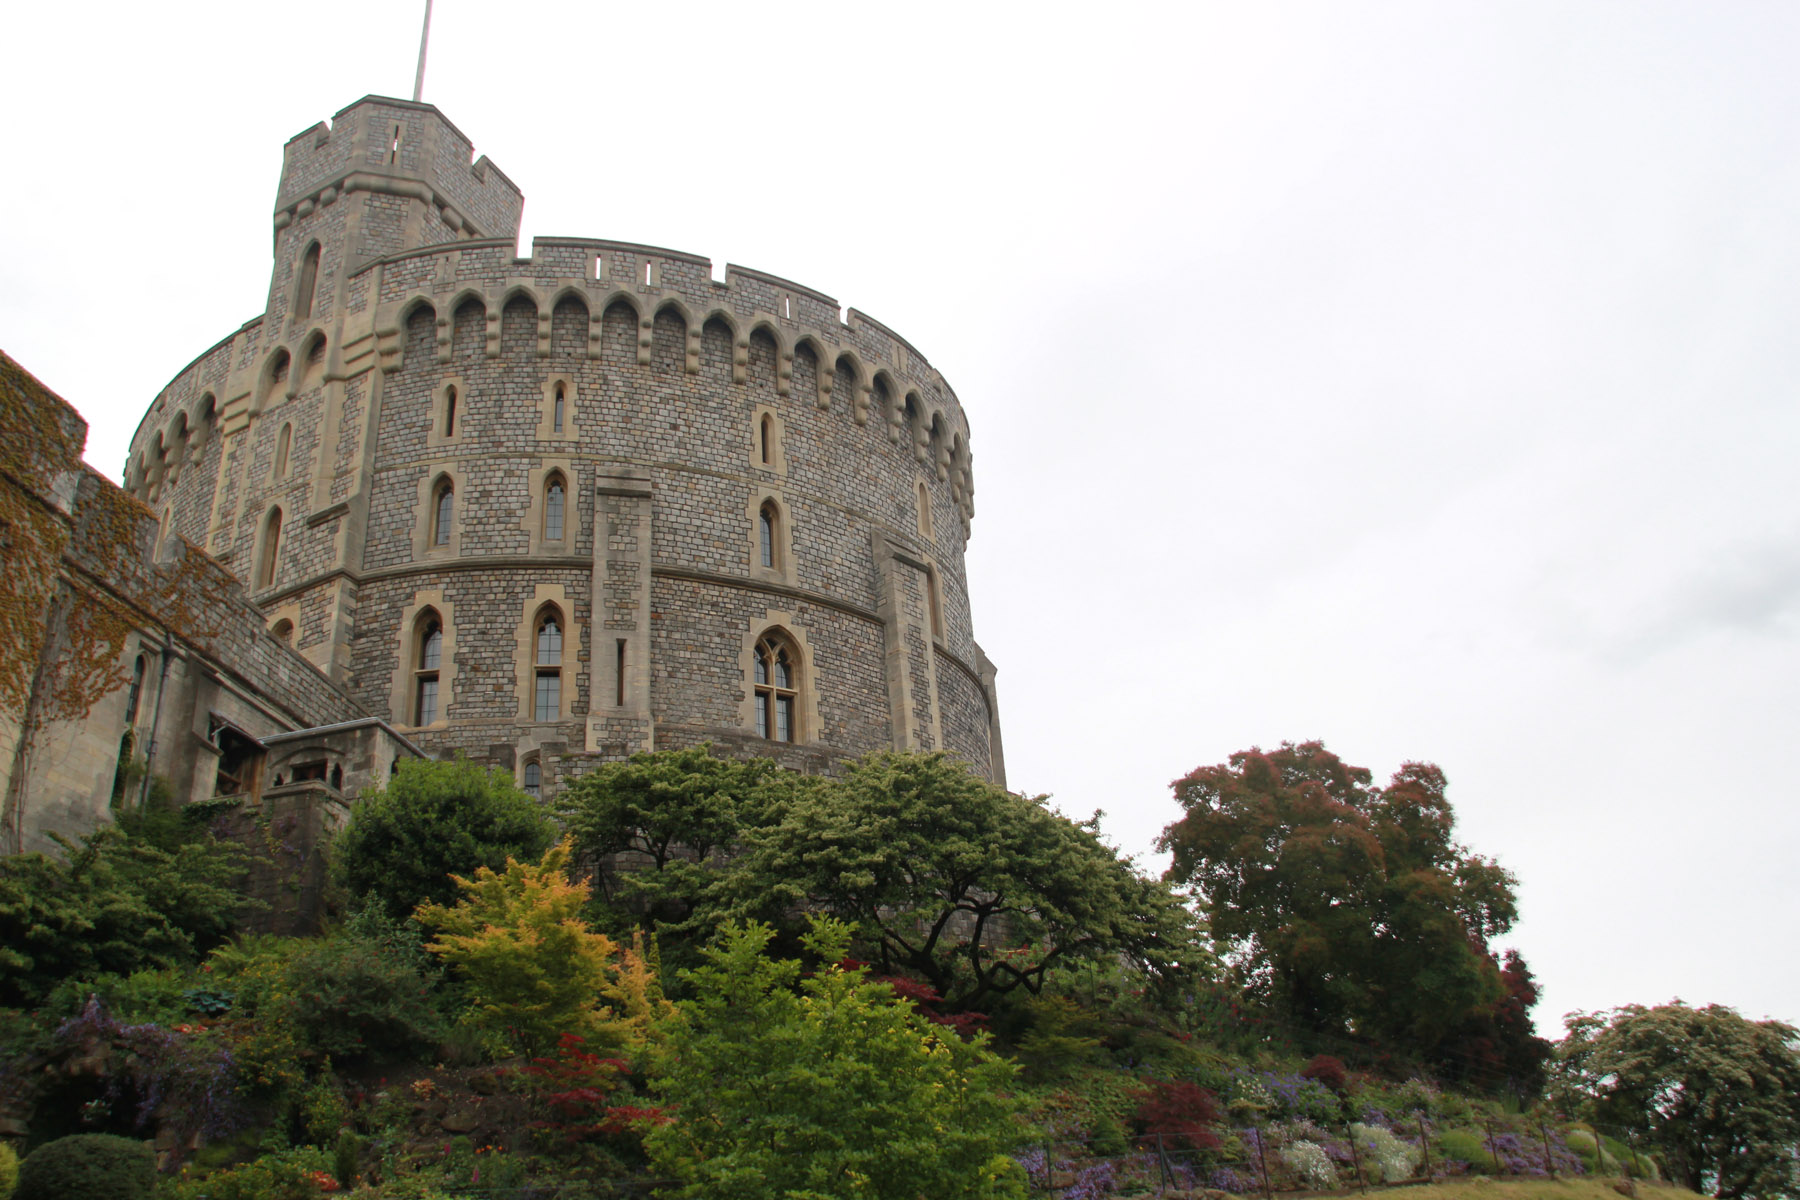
1416	377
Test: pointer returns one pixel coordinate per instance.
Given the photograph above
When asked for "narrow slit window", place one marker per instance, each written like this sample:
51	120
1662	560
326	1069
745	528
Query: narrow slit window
619	676
444	514
768	424
283	443
556	411
425	674
553	511
765	533
450	411
647	273
394	145
309	283
547	700
265	577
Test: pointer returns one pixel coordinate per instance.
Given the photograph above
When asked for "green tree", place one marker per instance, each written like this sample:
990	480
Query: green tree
678	811
433	820
832	1090
112	904
535	970
1717	1094
1348	906
954	879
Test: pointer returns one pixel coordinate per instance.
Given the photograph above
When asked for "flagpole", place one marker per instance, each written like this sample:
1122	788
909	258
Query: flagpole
424	36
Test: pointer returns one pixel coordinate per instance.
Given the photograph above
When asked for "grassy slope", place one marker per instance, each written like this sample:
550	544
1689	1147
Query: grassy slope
1532	1189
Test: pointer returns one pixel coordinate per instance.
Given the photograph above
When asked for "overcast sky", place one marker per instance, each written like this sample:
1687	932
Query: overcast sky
1417	377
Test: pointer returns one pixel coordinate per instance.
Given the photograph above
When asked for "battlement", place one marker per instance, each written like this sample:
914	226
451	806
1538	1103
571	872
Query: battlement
396	147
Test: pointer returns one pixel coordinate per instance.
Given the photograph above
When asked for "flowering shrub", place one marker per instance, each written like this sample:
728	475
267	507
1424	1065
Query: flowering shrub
1309	1161
1284	1095
190	1077
1096	1180
1384	1154
1523	1154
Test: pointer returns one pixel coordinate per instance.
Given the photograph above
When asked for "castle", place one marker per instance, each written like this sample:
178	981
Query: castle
548	511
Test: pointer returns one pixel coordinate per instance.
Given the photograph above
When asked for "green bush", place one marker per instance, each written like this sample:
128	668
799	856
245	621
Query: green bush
88	1166
9	1170
352	1000
153	996
111	904
282	1175
1466	1146
433	820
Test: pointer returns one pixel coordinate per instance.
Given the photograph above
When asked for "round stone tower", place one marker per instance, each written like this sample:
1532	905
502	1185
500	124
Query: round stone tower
578	505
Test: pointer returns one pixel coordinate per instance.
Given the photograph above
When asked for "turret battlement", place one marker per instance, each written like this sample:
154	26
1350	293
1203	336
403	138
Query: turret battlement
417	170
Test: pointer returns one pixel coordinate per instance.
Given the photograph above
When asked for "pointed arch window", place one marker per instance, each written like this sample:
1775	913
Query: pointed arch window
443	514
547	700
554	507
924	510
777	686
428	662
767	522
284	442
450	411
767	438
556	409
309	283
271	548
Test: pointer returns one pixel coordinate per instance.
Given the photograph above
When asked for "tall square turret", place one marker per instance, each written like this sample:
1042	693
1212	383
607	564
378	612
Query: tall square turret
384	176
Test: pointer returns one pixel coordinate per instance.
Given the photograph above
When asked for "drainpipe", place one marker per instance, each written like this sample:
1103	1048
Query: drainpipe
162	680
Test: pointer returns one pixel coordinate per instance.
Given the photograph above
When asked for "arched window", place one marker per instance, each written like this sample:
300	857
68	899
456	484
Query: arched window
450	411
283	631
428	660
924	510
534	780
556	411
553	509
767	438
547	702
777	684
767	521
137	690
443	513
283	443
309	283
271	547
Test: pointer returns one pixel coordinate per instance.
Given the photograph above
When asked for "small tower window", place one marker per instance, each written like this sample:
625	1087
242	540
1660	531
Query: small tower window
429	662
283	630
271	548
765	533
450	411
776	688
924	511
553	509
547	703
284	442
309	283
534	780
768	424
443	514
556	410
